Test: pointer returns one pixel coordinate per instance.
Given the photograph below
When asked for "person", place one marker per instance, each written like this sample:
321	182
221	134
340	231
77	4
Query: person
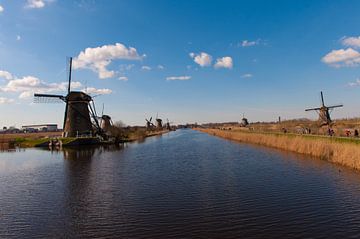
356	133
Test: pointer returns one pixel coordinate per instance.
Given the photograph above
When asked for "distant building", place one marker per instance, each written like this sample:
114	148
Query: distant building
40	127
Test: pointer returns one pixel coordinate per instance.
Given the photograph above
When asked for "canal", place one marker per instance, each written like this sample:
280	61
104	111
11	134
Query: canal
184	184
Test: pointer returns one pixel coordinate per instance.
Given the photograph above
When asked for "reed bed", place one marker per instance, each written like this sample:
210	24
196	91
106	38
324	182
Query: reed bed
336	150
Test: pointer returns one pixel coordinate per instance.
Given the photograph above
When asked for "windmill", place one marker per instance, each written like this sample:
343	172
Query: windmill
244	121
149	124
79	109
168	126
324	112
158	122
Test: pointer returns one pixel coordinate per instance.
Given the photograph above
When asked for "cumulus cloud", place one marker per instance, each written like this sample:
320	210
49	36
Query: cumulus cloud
170	78
28	85
92	90
224	62
6	75
342	57
4	100
146	68
351	41
123	78
37	3
1	9
248	75
98	59
160	67
203	59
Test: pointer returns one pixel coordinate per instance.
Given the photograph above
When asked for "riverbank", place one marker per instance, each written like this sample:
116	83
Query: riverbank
343	151
43	139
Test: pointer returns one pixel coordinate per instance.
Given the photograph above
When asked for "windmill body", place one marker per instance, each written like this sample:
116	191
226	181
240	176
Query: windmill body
78	121
159	123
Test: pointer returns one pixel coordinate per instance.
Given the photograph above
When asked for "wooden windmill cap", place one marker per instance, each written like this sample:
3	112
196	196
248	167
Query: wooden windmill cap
78	96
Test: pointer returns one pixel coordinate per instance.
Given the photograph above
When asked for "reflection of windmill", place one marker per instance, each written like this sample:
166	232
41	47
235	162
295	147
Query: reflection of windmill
78	105
149	124
323	111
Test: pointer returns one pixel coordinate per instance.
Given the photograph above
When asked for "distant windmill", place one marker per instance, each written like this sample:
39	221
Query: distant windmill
158	122
149	124
244	121
77	116
324	112
168	124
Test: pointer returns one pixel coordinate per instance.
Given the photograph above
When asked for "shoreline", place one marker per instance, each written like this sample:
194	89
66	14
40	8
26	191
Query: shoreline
341	151
43	139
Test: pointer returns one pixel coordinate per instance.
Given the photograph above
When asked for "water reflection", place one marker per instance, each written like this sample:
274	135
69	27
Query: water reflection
182	185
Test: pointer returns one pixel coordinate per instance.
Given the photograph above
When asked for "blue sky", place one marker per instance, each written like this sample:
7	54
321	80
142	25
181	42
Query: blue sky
189	61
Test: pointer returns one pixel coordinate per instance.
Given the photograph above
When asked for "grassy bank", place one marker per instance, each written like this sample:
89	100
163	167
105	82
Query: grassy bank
42	139
337	150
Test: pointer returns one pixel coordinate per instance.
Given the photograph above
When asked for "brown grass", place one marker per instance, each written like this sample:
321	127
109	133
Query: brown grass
330	149
5	138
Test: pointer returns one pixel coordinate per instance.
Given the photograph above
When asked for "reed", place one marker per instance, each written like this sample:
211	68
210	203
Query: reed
337	150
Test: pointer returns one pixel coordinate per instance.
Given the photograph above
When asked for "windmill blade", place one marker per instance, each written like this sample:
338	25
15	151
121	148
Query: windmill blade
312	109
70	68
47	98
335	106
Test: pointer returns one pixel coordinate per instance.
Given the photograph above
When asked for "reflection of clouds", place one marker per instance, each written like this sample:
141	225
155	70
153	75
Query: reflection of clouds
28	159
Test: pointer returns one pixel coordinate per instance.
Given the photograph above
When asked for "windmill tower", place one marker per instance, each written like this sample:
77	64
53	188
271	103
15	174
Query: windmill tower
324	112
77	117
168	126
158	122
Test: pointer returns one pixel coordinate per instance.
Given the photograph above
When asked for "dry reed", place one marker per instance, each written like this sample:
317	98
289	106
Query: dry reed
326	148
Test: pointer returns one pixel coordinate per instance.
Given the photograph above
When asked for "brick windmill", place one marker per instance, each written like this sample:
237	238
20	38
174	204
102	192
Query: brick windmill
324	112
79	111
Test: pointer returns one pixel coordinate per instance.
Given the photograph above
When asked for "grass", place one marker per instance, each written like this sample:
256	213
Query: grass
344	151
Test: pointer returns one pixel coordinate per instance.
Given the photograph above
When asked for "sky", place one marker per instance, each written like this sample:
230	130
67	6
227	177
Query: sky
186	61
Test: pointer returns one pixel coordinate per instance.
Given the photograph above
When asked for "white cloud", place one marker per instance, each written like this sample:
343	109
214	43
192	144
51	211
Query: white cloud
170	78
160	67
354	84
123	78
5	74
224	62
1	8
4	100
18	38
342	57
26	95
351	41
246	43
248	75
92	90
146	68
97	59
203	59
28	85
37	3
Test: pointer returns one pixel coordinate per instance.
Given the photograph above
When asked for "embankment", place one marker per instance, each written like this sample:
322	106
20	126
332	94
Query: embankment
337	150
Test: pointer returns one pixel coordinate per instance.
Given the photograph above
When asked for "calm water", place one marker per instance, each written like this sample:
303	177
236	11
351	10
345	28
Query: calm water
184	184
